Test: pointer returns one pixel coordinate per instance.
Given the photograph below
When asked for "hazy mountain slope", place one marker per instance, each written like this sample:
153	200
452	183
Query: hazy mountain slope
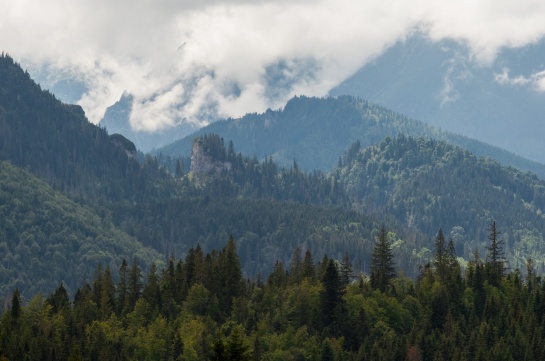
116	120
317	131
442	84
428	184
46	238
56	142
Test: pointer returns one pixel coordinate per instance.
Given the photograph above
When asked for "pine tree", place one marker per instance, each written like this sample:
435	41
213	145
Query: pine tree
331	297
107	294
346	270
179	172
441	256
382	262
232	273
151	291
495	255
135	285
327	352
16	305
296	267
59	299
309	269
121	300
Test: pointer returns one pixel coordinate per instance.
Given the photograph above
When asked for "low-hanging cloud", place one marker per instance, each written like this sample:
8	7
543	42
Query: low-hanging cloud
194	61
536	80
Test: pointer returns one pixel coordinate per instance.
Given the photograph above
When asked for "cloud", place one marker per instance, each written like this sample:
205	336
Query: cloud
536	80
457	70
194	61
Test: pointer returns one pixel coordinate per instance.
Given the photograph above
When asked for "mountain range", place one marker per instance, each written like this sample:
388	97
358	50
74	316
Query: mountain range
443	84
316	131
97	200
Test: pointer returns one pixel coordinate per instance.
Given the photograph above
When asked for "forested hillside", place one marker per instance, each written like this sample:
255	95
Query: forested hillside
317	131
270	210
46	238
316	263
56	142
201	308
428	184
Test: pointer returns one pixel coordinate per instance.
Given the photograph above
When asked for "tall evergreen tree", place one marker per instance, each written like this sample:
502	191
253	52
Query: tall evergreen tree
121	300
107	294
59	299
346	270
382	262
309	269
441	256
232	273
495	255
296	267
16	305
151	291
135	285
331	297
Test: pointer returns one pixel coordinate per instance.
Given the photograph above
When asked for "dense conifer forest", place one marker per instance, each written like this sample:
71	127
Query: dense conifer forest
427	184
202	308
110	254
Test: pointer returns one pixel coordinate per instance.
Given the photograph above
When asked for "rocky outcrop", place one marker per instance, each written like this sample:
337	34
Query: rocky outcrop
203	165
121	142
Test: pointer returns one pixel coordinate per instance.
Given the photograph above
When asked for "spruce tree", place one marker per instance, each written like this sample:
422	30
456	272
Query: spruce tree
107	294
495	255
134	288
309	270
346	270
121	300
331	297
231	273
441	255
296	267
16	305
382	262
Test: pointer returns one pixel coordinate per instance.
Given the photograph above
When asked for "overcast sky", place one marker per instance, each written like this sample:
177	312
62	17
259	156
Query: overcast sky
184	59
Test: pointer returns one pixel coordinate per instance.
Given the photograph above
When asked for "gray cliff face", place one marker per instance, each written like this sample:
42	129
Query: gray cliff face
121	142
202	164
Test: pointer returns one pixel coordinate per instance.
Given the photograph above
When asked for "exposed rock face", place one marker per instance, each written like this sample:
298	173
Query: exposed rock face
203	165
121	142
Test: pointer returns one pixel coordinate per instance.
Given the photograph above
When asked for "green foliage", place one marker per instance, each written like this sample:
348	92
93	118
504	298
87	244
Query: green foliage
46	238
201	307
436	317
331	300
428	184
56	142
382	266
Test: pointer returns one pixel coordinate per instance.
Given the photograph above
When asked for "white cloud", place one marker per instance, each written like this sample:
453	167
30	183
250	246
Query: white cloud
536	80
192	60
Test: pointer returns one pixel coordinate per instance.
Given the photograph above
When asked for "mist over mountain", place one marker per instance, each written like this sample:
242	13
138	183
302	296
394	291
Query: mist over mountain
441	83
101	203
117	120
56	142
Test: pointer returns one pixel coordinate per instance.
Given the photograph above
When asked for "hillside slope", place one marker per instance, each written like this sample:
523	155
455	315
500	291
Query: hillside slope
317	131
428	184
441	83
56	142
46	238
